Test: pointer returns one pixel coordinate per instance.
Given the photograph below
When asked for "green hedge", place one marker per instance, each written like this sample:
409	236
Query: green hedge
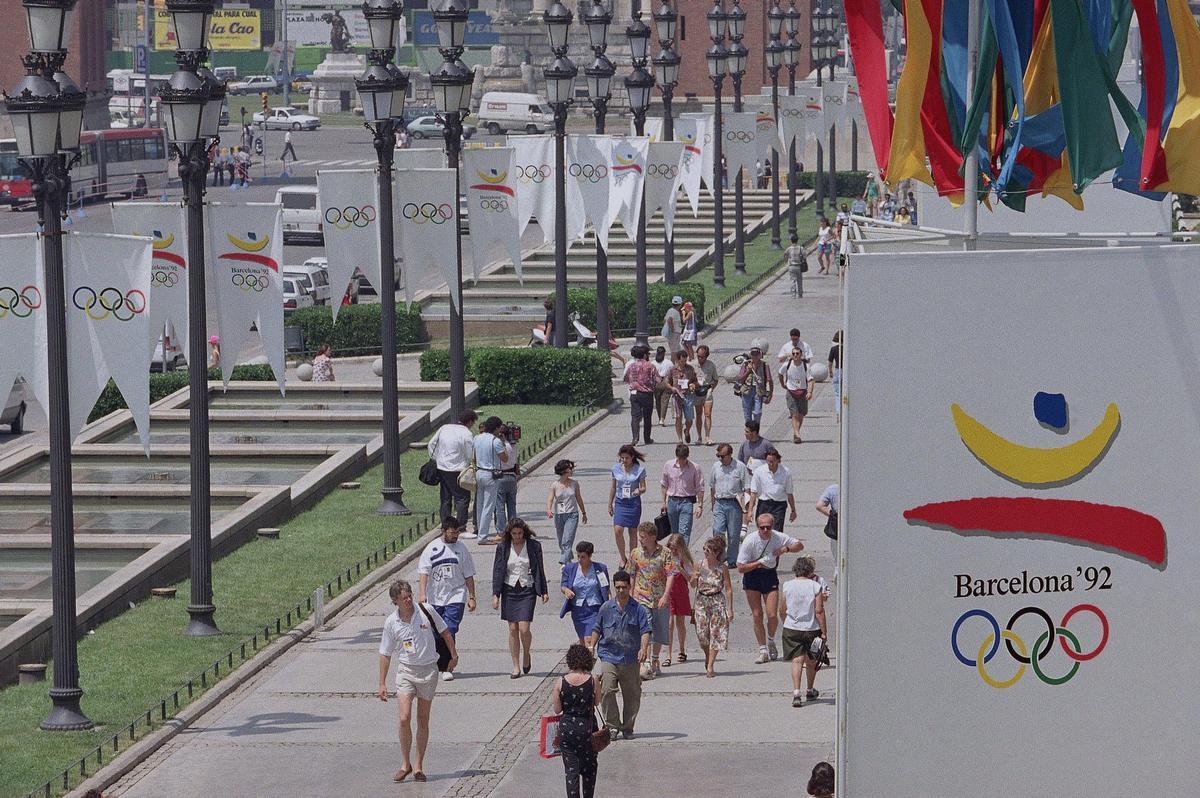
544	375
357	328
622	300
849	184
168	383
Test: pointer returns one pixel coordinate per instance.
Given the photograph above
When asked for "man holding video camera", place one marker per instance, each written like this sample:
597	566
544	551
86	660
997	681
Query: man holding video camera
506	482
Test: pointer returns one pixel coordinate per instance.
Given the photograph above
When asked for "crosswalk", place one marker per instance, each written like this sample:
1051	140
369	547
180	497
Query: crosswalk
319	164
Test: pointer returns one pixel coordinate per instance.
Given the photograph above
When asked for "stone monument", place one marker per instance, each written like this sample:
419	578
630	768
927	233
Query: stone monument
333	79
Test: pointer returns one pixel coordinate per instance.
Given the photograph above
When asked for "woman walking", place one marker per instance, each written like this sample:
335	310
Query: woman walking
565	506
322	365
802	610
688	339
625	498
679	595
518	578
682	382
714	602
585	585
576	696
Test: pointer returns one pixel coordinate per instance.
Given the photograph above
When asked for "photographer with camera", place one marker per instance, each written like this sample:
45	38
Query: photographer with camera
509	434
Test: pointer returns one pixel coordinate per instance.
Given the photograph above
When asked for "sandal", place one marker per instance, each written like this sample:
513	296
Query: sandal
666	663
419	776
402	774
682	657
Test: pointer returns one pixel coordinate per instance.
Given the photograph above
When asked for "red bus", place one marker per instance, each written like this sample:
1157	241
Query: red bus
132	162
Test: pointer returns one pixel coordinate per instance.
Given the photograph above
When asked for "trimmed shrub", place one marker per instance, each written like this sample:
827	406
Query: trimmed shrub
358	327
167	383
622	300
542	375
849	184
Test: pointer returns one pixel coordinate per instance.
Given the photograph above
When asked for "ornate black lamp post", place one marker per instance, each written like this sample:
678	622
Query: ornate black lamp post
717	59
560	86
191	103
638	85
666	74
381	90
452	90
735	24
774	52
791	56
599	76
47	114
822	49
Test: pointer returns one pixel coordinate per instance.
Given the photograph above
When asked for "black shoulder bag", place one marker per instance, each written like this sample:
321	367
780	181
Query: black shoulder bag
443	648
831	525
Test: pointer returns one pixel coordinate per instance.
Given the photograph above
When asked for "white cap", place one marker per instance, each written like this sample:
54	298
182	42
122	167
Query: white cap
676	300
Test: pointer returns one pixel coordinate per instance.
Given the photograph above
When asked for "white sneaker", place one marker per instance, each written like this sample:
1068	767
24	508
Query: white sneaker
468	535
772	651
762	657
448	676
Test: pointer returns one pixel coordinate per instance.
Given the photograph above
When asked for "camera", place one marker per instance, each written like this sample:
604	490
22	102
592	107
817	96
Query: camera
511	432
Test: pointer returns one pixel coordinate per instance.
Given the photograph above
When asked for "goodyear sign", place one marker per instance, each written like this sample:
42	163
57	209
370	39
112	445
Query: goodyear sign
480	32
232	29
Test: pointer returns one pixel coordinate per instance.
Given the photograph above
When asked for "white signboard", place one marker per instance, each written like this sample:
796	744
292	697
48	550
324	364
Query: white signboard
306	28
1022	438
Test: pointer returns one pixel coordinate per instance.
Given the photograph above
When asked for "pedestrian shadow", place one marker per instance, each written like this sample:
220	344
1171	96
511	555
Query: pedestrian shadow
364	637
670	736
274	723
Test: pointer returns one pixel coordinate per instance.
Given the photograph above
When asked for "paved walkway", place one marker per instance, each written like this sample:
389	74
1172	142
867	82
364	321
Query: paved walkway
310	725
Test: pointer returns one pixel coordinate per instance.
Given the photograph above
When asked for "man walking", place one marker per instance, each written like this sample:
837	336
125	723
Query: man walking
794	342
621	640
642	379
706	391
446	579
727	481
758	557
771	490
682	492
797	266
288	148
490	457
673	324
453	448
753	451
796	381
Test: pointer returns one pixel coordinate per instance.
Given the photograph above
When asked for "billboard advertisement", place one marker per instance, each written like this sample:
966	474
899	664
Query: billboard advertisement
231	29
479	30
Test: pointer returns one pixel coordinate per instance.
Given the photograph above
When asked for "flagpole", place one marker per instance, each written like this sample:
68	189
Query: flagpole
971	168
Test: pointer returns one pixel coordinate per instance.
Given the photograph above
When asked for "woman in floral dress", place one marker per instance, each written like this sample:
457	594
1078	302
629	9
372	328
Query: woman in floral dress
714	602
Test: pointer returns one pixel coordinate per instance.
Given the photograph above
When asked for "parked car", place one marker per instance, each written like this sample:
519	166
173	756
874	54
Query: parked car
350	296
286	118
508	110
302	82
314	279
431	127
295	296
13	413
253	84
301	216
412	112
175	359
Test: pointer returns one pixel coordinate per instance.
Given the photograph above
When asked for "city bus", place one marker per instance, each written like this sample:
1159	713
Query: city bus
130	162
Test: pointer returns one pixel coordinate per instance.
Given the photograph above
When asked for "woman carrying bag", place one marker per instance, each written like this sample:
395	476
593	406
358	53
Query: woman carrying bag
518	578
586	586
576	696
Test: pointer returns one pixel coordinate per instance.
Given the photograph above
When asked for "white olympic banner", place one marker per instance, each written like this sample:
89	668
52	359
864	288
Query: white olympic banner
166	224
533	162
22	315
664	171
791	119
707	149
767	132
740	142
490	175
588	168
428	224
854	109
653	127
1018	541
246	252
627	180
419	158
693	133
108	323
349	208
812	101
833	102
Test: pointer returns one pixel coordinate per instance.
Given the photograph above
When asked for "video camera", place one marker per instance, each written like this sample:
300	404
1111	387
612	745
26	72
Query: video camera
510	432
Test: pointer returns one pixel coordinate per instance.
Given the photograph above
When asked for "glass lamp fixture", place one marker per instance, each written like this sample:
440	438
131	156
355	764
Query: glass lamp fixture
190	21
638	84
182	102
599	77
558	20
717	57
666	67
451	81
666	19
383	23
775	19
597	19
792	19
735	21
639	38
716	21
451	20
791	52
737	58
210	122
70	120
560	80
775	52
35	106
49	23
377	90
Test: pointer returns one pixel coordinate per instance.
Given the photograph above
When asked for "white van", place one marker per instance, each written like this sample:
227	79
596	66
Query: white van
500	111
301	216
314	279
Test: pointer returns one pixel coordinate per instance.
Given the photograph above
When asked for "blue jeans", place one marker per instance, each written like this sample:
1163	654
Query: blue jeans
837	391
486	489
752	405
506	500
727	522
565	527
679	513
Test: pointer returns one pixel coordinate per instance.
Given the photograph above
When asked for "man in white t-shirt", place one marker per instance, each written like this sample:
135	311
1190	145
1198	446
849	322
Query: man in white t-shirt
410	636
794	342
452	448
798	385
758	557
446	576
802	611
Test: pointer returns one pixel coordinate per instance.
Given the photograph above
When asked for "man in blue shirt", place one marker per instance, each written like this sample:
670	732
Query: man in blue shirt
490	457
621	640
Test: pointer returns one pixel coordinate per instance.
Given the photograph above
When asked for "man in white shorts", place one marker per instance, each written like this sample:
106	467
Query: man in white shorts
410	635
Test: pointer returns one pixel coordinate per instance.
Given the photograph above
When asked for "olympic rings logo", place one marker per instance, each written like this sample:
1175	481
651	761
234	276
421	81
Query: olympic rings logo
20	303
739	135
533	173
1020	652
834	99
592	173
427	212
350	216
164	278
251	282
663	170
122	306
493	204
791	112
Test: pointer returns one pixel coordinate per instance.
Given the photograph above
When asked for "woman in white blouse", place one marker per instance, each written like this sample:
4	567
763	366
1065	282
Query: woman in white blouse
518	578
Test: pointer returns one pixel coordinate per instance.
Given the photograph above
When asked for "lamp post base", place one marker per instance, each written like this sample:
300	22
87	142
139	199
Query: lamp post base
393	503
202	623
66	714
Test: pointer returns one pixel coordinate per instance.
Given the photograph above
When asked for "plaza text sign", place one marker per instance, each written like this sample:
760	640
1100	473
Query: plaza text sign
1019	521
231	29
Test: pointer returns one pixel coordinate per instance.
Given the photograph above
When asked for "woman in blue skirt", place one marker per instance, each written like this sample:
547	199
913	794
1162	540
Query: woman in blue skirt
585	585
625	497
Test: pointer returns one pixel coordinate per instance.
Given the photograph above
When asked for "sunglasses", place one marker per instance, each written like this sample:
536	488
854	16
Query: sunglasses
766	526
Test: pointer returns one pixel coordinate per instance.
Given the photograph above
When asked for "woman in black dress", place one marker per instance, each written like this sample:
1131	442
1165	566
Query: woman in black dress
576	696
518	578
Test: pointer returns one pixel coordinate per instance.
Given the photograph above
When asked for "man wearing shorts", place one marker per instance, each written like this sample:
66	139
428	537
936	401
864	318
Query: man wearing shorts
706	390
682	382
650	567
409	635
446	575
758	557
795	380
